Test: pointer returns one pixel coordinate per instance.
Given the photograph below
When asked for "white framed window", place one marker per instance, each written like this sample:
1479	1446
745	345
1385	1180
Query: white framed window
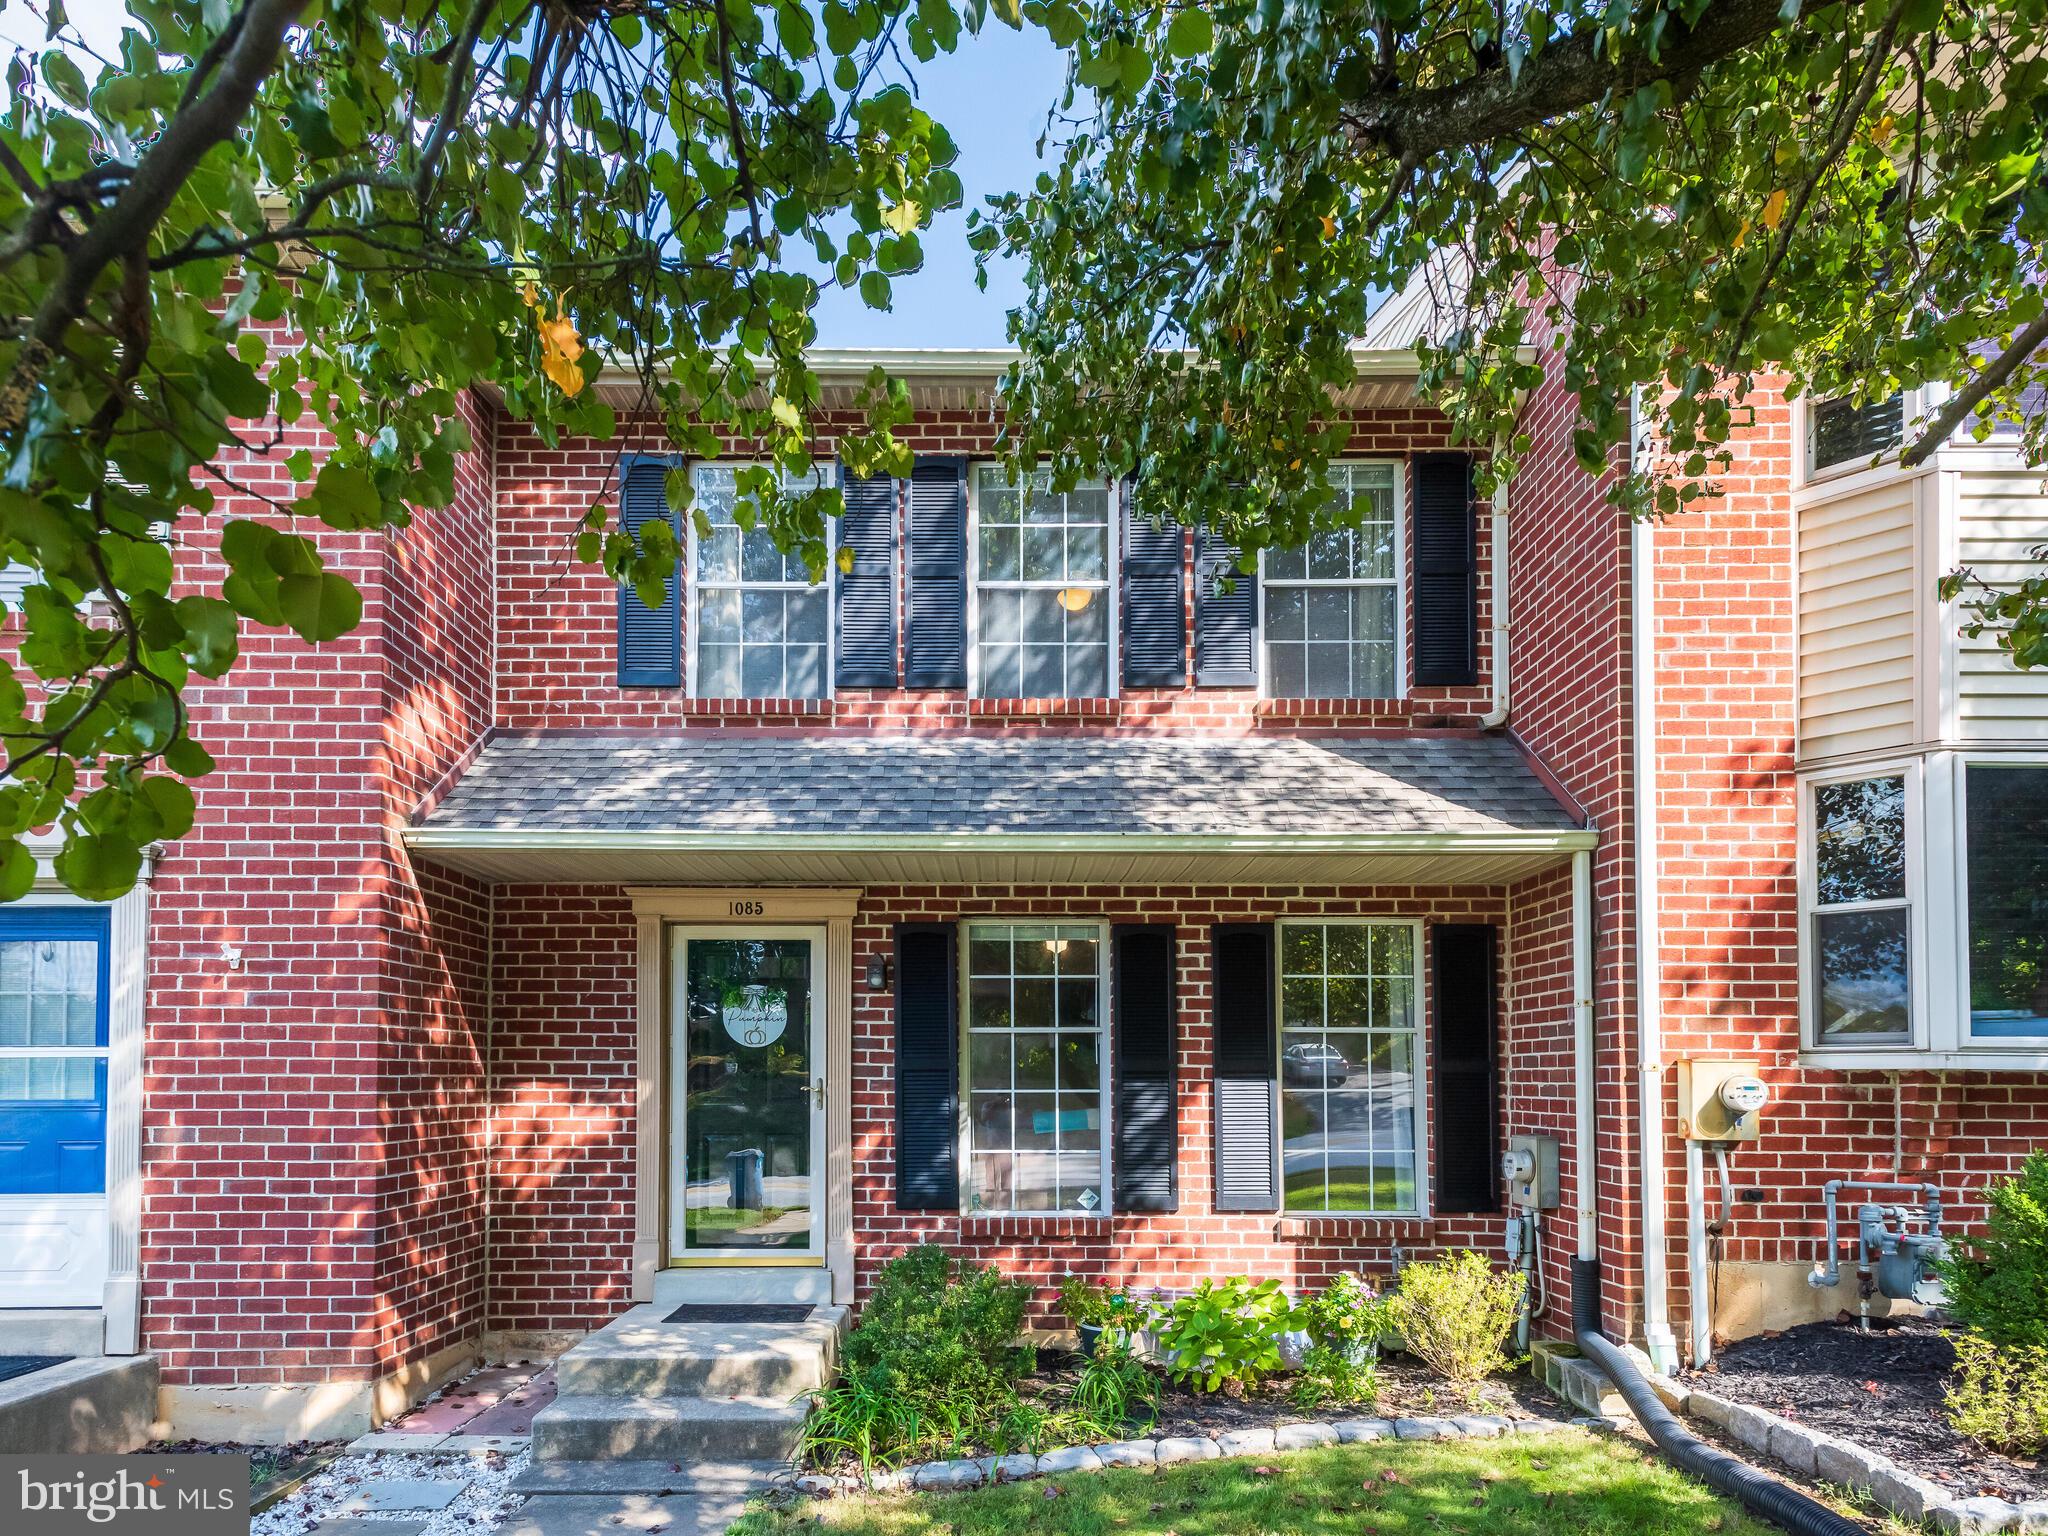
759	627
1351	1082
1330	623
1035	1064
1042	605
1858	941
2004	918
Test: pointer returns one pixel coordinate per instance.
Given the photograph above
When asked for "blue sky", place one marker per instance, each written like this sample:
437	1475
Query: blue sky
992	95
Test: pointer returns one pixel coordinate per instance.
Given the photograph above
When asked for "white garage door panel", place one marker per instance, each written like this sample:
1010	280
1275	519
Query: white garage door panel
53	1250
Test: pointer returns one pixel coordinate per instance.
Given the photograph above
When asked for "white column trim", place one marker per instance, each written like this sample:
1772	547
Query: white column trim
839	1240
128	972
647	1235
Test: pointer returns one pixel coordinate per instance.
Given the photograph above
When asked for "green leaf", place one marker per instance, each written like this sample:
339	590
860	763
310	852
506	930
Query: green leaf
63	77
1191	35
17	870
211	639
98	867
319	607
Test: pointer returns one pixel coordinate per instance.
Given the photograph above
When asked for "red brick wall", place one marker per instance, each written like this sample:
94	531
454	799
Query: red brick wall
1570	707
563	1199
558	662
313	1120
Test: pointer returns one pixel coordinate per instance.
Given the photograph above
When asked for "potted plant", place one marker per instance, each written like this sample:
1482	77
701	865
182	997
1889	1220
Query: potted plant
1348	1317
1088	1307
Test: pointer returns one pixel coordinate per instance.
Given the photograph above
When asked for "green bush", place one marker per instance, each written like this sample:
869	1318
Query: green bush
1224	1335
932	1364
1115	1391
1347	1312
1334	1378
1083	1301
1454	1314
1999	1396
1999	1287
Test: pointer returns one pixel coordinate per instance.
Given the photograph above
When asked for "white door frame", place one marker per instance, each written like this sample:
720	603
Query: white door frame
657	909
680	938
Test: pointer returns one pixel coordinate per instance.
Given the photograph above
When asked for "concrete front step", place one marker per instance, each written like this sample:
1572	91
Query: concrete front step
660	1478
681	1429
643	1355
83	1407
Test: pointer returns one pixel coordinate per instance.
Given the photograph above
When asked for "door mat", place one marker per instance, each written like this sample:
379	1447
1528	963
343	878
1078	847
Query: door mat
767	1312
12	1366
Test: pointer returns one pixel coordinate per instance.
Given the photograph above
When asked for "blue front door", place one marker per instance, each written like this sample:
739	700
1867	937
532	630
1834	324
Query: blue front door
53	1050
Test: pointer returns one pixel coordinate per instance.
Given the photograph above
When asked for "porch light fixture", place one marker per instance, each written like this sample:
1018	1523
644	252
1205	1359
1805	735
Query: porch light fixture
878	973
1074	599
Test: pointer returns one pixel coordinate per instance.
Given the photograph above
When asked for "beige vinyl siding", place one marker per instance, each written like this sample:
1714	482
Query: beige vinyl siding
1856	598
2002	516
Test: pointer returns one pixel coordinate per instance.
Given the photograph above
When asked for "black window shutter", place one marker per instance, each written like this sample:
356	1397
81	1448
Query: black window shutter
1145	1150
1247	1079
1155	613
650	640
1226	623
1446	572
1466	1039
1843	430
864	598
927	1068
935	625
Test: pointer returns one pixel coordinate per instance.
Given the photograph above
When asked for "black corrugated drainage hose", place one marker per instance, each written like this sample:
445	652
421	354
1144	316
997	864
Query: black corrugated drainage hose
1757	1493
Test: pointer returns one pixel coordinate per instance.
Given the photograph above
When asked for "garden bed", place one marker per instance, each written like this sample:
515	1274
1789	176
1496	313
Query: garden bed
1881	1390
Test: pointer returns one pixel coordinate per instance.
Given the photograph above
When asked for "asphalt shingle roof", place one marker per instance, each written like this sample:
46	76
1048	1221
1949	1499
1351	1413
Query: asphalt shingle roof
938	783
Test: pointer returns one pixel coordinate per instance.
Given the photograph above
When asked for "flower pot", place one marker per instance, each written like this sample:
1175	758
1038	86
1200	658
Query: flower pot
1091	1335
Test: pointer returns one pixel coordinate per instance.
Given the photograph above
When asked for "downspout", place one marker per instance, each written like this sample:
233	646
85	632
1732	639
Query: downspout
1497	555
1657	1334
1583	1064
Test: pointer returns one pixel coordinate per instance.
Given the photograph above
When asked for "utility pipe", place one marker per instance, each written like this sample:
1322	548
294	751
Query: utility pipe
1657	1334
1497	556
1696	1254
1584	1154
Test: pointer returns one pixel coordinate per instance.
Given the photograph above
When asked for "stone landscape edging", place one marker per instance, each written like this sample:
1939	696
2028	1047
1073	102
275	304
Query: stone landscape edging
973	1472
1831	1459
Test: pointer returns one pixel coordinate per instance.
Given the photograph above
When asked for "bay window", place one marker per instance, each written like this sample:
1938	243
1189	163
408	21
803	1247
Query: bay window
1332	608
1041	587
1036	1067
2006	855
1861	917
1349	1084
761	627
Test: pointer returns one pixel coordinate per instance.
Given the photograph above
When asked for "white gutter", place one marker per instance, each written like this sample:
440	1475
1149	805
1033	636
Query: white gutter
1584	1151
575	840
1497	546
1657	1334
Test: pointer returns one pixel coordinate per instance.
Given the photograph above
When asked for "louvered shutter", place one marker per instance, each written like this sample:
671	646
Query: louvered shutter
1446	572
935	625
927	1068
1465	1039
1146	1134
650	640
1247	1080
1155	613
1226	623
864	598
1842	430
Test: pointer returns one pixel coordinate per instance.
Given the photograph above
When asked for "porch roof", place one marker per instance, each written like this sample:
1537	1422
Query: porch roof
755	805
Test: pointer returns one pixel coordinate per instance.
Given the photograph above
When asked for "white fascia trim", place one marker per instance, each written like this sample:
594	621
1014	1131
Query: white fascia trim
545	839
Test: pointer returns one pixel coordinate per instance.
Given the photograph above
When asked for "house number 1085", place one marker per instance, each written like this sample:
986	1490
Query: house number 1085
747	909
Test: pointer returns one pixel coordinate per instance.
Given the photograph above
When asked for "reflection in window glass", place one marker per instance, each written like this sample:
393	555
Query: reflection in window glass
1862	923
1347	1066
1034	1067
2007	850
1331	607
762	624
1042	588
49	998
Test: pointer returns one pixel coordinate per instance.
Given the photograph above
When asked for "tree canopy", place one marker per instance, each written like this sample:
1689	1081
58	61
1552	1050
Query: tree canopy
258	215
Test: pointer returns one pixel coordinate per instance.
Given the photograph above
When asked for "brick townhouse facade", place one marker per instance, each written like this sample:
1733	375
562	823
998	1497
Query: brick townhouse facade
1031	889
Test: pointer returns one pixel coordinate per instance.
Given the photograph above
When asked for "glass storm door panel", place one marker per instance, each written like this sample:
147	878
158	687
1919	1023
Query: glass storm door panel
749	1094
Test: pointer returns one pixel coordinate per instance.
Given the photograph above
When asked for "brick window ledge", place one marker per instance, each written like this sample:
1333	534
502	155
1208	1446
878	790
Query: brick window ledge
1026	1227
756	709
1044	709
1313	1228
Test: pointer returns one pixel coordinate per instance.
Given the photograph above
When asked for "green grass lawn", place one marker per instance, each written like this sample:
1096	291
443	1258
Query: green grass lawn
1564	1484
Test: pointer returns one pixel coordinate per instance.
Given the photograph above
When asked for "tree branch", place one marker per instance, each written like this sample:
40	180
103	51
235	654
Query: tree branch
1959	406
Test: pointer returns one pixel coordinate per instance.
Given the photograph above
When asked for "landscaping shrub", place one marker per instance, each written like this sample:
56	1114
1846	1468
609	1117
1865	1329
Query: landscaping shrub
1116	1392
1454	1314
1344	1322
1999	1288
1084	1302
1224	1336
934	1361
1999	1396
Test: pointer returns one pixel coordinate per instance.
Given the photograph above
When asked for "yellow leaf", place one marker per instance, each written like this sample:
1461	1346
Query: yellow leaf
1881	134
1742	235
1774	209
531	293
901	217
845	559
785	413
1329	227
560	347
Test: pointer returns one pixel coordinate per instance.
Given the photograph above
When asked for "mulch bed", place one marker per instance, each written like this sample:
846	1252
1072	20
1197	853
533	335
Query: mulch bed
1881	1389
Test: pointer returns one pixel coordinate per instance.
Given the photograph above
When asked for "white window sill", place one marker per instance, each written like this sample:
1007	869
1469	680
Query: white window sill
2025	1057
